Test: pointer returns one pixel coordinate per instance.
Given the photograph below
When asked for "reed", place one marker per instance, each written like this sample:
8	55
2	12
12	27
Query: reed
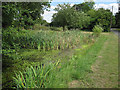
45	40
34	77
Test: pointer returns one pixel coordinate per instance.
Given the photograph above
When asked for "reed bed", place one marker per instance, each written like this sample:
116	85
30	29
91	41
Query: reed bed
43	40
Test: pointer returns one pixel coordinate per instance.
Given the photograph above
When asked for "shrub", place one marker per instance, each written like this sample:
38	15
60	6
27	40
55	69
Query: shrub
56	28
36	27
97	30
39	27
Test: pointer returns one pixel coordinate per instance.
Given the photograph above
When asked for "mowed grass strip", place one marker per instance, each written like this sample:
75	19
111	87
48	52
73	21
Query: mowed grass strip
105	69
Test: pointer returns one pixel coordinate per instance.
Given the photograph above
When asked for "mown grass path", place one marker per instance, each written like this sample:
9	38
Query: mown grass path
105	69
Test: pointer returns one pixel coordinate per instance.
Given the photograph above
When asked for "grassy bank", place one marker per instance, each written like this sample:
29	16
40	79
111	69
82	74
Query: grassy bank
105	69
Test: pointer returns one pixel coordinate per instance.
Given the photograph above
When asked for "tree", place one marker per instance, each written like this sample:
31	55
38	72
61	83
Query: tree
101	17
117	18
68	16
104	18
62	17
85	6
93	18
79	20
8	13
22	13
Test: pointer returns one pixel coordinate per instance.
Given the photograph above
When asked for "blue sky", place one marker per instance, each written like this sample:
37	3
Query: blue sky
107	4
55	2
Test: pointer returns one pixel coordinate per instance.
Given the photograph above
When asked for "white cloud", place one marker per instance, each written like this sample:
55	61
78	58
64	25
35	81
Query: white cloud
83	0
48	15
72	5
108	6
106	0
52	7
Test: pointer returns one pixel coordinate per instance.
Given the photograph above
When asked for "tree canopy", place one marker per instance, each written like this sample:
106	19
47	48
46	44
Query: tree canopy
23	14
68	16
82	16
117	18
101	17
85	6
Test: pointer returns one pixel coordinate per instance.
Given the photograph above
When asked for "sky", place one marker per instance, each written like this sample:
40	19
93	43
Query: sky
107	4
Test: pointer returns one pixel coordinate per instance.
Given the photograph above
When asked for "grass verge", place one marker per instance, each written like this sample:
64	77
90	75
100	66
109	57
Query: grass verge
105	69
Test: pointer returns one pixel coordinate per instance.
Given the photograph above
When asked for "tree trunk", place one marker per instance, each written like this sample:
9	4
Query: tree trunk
63	28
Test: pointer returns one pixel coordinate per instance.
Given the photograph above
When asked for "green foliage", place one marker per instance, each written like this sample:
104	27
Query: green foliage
61	18
11	37
23	14
104	18
41	40
8	12
79	20
14	40
56	28
34	77
97	30
117	17
93	18
67	16
101	16
77	67
85	6
40	27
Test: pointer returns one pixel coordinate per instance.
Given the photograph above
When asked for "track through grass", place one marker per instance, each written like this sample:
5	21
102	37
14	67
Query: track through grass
105	69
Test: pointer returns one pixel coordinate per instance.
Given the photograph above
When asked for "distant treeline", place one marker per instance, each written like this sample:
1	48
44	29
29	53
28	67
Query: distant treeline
80	16
84	16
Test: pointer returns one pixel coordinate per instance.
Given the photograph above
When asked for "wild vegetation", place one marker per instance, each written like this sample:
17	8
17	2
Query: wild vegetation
38	54
43	42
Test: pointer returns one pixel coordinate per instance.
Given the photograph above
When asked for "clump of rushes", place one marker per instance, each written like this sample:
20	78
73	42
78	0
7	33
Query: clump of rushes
48	46
57	45
39	47
44	45
34	77
63	42
51	45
